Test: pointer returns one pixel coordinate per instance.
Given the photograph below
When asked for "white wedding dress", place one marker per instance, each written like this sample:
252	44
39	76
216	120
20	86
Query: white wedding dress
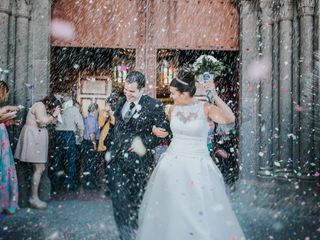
185	197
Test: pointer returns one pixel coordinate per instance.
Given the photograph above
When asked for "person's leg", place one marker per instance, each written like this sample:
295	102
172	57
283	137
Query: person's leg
137	185
122	206
87	163
71	160
36	177
78	167
56	161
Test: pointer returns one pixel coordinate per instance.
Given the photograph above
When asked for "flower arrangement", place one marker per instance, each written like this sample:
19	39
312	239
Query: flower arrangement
207	63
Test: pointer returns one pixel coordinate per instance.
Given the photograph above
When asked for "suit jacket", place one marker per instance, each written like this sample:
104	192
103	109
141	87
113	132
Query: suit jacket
140	125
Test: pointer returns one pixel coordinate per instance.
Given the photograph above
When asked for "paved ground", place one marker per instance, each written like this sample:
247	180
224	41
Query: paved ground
266	210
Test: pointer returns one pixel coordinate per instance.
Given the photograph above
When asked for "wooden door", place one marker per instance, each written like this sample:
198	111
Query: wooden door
93	89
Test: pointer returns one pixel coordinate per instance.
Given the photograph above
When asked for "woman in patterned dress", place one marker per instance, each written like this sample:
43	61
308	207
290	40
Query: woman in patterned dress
8	175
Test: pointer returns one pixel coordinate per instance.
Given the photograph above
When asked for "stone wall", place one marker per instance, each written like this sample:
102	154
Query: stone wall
24	51
280	104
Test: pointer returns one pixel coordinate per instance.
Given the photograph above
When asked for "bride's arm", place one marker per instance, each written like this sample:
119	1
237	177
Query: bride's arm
218	111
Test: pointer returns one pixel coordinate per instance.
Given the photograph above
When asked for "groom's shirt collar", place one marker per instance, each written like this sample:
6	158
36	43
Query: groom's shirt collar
126	105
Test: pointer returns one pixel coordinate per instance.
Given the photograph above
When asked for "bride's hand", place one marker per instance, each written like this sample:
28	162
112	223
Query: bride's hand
210	86
159	132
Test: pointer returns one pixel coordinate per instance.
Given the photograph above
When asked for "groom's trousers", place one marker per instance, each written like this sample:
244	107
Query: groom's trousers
127	188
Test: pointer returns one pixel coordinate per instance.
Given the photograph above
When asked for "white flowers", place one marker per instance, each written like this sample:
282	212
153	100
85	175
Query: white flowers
196	65
137	112
136	115
207	63
138	107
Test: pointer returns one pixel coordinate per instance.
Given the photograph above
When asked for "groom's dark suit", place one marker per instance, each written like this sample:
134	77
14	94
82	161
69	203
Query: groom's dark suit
127	173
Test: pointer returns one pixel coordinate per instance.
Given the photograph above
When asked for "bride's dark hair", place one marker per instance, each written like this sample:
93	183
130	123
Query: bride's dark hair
184	82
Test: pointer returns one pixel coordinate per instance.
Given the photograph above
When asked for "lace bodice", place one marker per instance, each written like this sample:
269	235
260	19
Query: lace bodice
189	126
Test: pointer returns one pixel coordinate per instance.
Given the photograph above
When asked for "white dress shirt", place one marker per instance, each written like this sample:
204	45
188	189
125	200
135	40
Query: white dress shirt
126	106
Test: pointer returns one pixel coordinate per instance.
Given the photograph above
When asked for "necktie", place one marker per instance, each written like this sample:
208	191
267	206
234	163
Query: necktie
129	113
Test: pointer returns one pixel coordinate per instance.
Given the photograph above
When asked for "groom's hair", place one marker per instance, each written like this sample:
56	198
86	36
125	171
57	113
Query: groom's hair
138	77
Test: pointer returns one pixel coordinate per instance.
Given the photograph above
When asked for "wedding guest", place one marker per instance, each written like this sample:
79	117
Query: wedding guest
32	146
89	147
65	142
8	175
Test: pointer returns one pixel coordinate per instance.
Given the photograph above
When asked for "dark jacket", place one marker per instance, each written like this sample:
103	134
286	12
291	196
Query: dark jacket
140	125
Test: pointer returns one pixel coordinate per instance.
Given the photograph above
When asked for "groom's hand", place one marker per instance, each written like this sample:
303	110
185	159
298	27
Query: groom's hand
159	132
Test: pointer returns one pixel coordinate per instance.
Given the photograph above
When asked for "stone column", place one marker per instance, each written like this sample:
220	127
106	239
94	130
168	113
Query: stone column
284	167
295	88
306	156
21	59
24	171
275	86
317	79
4	32
248	148
265	125
12	52
39	50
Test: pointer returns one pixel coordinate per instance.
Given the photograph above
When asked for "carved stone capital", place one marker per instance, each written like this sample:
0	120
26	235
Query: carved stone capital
266	7
246	7
23	8
5	6
306	7
286	10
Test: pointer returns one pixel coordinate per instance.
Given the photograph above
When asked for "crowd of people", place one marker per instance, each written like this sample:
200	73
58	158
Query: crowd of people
74	138
122	139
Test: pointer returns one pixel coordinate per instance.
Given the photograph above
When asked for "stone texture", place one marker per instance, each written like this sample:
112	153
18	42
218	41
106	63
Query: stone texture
265	110
285	87
39	50
307	154
4	29
248	149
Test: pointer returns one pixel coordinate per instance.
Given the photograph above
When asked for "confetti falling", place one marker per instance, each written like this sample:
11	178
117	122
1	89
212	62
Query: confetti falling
65	31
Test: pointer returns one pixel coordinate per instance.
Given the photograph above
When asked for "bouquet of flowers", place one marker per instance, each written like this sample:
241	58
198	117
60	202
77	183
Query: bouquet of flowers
207	64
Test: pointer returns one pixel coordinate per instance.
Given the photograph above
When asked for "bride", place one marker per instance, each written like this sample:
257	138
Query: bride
185	197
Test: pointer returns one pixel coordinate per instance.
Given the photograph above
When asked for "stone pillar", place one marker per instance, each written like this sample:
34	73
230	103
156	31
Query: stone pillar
306	136
21	59
4	32
295	88
317	79
265	126
248	148
39	50
24	171
275	87
285	90
12	52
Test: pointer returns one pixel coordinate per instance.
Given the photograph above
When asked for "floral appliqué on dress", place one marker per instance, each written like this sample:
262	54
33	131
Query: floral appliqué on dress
187	117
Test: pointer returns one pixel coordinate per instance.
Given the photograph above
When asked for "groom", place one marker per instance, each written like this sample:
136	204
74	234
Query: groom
130	165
